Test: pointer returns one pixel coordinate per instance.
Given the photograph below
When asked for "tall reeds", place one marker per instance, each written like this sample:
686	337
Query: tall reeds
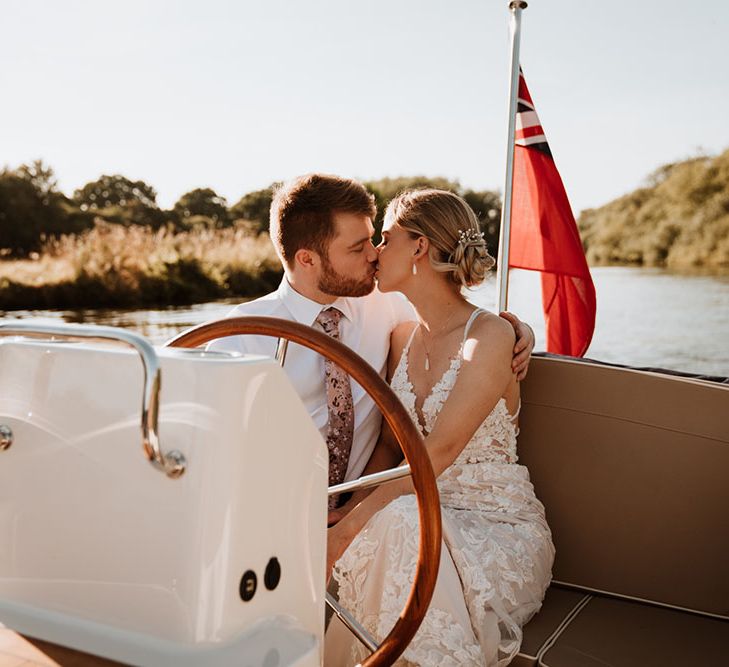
117	266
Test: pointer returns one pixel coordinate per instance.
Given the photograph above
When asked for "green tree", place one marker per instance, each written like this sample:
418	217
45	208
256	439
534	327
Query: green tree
202	204
386	189
41	177
120	200
114	190
32	209
487	206
255	207
485	203
679	219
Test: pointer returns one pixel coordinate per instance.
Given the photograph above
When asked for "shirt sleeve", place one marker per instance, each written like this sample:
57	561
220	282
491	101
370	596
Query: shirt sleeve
402	309
230	343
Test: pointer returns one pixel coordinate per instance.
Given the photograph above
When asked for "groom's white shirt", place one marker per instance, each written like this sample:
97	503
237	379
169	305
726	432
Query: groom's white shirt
365	328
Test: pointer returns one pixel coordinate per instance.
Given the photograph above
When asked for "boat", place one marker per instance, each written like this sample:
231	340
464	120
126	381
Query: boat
199	547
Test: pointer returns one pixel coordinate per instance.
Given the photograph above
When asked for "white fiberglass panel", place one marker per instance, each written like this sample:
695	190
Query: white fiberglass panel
90	529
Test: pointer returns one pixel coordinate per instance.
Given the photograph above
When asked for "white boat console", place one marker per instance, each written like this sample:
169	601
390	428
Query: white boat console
214	554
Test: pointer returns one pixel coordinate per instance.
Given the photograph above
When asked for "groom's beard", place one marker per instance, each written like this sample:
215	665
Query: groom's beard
335	284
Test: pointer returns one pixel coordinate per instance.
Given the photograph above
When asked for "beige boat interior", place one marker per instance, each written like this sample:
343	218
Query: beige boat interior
633	469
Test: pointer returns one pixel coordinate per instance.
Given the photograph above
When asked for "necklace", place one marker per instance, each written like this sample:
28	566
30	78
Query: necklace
438	332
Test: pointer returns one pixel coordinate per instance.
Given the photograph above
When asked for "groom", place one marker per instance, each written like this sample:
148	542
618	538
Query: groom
321	227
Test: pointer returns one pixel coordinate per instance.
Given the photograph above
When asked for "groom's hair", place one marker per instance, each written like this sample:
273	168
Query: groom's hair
302	212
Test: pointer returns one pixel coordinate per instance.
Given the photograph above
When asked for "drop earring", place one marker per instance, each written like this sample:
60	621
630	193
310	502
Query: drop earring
415	269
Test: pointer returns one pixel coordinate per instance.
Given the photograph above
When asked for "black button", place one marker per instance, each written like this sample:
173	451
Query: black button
248	583
273	574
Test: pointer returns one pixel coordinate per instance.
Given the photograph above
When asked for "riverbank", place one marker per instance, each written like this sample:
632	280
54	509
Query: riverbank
134	267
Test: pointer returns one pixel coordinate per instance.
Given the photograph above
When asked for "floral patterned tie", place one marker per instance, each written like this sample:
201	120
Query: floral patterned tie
340	427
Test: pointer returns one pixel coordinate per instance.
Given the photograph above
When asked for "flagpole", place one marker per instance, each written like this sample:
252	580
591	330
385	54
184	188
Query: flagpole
502	270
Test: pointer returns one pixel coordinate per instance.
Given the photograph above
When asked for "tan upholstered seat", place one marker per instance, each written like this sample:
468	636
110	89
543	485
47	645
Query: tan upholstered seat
633	469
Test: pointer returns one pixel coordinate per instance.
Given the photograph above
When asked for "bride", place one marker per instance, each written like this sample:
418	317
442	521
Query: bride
452	371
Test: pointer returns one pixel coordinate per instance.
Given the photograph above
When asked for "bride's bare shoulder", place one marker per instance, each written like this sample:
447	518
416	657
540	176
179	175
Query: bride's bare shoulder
401	333
494	331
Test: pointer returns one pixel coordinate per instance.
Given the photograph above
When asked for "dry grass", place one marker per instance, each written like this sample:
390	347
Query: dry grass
112	265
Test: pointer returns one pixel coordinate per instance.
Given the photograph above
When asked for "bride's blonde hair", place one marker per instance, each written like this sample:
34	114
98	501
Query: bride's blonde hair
457	246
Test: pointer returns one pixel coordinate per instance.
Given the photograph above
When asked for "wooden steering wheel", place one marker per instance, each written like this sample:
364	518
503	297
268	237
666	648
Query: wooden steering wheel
406	434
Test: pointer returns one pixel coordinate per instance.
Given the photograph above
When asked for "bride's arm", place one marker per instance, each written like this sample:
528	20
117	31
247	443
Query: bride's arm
483	379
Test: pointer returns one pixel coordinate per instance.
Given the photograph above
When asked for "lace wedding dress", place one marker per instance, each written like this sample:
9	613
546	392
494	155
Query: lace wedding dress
496	558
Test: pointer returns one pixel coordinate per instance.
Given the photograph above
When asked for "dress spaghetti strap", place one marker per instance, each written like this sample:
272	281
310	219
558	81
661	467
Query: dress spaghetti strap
471	320
410	340
402	363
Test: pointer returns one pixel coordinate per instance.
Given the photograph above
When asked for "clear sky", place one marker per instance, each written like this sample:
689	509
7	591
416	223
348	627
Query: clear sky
234	94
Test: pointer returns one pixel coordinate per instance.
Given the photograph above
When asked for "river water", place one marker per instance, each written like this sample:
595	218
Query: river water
645	317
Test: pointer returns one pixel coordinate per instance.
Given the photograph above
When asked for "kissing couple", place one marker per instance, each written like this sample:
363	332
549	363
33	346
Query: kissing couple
456	368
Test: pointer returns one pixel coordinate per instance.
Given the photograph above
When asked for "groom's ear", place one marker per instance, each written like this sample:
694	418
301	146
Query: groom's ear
305	258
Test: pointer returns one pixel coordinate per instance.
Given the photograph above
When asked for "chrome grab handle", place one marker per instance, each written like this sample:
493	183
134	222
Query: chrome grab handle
372	479
172	463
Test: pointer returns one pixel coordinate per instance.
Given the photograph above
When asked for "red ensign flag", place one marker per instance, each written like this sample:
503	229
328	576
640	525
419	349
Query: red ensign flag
544	236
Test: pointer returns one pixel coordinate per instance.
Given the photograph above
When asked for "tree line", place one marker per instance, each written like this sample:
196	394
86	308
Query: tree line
678	220
33	211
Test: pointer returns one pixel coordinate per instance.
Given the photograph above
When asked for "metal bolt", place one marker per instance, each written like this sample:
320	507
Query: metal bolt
6	437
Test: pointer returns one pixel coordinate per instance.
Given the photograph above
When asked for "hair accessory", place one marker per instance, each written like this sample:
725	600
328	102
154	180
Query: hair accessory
466	236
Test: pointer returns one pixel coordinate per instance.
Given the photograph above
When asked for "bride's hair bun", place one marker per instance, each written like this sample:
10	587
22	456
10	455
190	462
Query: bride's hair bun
471	258
457	245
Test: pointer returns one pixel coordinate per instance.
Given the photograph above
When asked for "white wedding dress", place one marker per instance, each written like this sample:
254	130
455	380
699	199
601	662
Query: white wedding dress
496	558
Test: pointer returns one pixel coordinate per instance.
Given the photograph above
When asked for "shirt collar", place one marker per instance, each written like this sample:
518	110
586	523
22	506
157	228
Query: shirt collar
304	310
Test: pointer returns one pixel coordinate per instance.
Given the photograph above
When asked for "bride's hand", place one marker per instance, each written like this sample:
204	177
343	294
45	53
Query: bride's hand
336	515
